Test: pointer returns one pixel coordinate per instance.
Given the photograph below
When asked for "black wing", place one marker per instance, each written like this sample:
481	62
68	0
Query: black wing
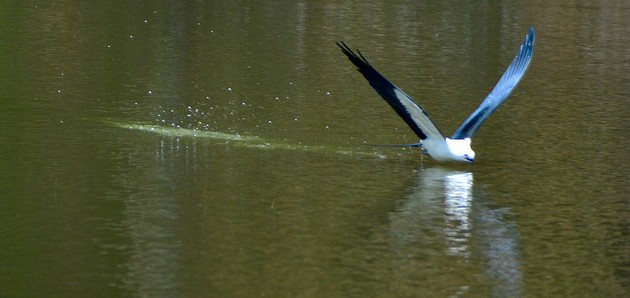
416	117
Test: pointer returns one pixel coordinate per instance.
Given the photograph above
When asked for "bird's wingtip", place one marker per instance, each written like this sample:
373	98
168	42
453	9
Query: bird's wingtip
531	34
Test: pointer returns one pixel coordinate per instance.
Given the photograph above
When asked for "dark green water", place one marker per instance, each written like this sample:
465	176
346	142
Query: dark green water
217	149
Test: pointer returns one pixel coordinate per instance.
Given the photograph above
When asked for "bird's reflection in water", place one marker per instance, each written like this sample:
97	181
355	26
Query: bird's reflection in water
457	205
444	222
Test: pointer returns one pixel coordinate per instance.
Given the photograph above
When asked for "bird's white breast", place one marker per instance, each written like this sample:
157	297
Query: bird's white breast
449	149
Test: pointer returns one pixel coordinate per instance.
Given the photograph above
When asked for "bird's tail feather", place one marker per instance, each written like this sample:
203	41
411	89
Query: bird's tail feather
415	145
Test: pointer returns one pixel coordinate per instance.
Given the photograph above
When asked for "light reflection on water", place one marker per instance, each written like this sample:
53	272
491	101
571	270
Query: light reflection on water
443	206
149	222
458	204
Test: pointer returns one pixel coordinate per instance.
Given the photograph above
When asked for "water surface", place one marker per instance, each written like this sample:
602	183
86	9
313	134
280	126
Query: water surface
219	149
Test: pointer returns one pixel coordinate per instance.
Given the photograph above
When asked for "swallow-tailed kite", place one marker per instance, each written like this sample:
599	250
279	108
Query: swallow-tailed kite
457	147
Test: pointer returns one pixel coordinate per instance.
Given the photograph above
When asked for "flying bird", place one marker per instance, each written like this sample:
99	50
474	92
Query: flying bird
432	141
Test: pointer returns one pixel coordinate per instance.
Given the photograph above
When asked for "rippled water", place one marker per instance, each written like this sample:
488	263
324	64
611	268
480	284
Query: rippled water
219	149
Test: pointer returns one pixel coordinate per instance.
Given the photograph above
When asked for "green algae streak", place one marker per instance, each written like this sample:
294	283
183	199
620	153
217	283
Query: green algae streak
238	140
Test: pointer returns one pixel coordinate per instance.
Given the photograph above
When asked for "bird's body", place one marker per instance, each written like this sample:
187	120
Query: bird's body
457	147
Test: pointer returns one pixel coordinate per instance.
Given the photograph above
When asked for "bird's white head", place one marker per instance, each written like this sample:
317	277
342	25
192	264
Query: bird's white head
460	150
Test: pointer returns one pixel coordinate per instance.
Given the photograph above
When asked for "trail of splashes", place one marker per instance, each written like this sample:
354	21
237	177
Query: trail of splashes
238	140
